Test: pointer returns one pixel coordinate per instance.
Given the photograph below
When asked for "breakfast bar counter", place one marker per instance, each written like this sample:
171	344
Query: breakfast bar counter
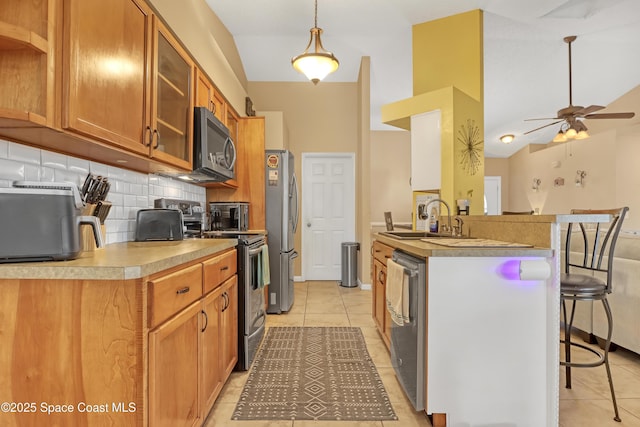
492	319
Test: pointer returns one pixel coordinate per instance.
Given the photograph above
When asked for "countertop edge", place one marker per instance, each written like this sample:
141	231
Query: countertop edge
424	249
107	264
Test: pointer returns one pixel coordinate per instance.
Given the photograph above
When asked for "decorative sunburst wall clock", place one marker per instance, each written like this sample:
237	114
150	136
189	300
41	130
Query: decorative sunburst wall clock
472	147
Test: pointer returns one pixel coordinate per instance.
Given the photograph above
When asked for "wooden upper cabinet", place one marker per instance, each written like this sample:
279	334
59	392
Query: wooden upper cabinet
220	106
26	73
106	57
126	79
172	108
208	96
204	91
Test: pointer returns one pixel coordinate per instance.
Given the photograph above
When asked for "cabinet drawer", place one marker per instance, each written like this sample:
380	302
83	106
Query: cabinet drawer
218	269
382	252
171	293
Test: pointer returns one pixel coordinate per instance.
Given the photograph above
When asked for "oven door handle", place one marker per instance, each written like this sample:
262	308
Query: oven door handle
256	251
260	320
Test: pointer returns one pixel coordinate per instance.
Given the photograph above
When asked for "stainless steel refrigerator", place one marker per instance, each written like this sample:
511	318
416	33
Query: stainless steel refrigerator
282	221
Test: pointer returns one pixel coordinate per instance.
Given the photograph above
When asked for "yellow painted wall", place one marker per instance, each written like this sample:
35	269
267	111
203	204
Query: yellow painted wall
448	75
449	52
467	111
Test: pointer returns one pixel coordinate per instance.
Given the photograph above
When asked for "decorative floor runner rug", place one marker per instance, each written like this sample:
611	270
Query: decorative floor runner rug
314	373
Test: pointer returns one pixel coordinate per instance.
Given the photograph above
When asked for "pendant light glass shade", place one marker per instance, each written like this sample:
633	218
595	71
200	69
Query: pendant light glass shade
560	137
319	63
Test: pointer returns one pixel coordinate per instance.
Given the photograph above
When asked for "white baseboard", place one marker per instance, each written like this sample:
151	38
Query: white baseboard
364	286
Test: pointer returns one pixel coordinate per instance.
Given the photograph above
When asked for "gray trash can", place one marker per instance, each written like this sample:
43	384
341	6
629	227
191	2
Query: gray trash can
350	264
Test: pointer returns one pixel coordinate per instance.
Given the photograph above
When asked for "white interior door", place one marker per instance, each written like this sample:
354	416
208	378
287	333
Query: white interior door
493	195
328	212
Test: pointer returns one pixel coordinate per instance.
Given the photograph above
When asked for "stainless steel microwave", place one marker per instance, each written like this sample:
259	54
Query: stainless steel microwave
214	152
229	216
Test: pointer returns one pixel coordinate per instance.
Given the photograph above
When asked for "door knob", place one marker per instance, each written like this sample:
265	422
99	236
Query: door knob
308	224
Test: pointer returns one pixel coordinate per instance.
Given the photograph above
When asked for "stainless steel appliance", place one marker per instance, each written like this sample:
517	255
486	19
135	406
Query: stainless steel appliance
194	217
281	197
159	224
214	153
408	341
40	221
229	216
251	314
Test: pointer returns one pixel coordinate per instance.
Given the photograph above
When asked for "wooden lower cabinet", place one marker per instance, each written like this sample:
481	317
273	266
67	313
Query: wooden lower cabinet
229	327
219	340
381	316
174	370
79	343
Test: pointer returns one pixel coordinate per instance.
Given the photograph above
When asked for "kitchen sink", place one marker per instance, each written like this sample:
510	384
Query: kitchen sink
415	235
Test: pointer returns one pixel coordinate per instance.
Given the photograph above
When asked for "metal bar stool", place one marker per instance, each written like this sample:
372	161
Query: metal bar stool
597	248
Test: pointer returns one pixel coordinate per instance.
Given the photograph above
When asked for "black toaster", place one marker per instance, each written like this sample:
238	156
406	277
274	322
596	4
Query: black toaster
159	224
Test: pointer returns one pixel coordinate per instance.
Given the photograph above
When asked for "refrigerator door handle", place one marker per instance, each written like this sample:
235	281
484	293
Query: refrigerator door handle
293	199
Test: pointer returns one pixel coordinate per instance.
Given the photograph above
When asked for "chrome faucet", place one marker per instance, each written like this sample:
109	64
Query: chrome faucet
457	229
448	229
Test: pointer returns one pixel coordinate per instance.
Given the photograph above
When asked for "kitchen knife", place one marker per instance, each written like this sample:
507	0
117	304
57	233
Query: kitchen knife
85	187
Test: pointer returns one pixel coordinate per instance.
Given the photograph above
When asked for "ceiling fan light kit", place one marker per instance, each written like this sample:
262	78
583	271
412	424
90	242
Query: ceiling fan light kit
318	64
570	117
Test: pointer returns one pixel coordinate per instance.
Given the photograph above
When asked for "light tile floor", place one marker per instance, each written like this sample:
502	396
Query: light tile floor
587	404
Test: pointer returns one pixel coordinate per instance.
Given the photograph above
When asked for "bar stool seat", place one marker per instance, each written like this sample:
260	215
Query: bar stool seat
597	245
581	284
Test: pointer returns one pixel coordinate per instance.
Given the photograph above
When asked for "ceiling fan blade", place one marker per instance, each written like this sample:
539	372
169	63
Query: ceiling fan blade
542	127
588	110
610	116
543	118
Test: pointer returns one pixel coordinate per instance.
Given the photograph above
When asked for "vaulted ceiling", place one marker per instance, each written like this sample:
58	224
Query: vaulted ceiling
525	57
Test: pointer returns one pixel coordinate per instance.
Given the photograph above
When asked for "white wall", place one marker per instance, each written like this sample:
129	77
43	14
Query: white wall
130	191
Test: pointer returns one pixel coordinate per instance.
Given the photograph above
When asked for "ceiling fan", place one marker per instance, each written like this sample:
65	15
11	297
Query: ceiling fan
572	126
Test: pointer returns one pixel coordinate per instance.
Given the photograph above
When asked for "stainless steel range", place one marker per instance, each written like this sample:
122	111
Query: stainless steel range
252	250
251	304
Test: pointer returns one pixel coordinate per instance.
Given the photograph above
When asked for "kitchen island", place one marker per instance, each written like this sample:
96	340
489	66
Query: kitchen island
492	322
134	334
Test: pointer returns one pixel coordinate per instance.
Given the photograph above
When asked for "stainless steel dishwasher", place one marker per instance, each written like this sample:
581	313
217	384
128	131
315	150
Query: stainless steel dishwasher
408	341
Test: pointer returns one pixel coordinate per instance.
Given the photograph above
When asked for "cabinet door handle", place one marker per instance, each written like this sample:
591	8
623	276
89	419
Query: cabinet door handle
148	136
157	133
225	305
206	320
226	267
381	277
183	290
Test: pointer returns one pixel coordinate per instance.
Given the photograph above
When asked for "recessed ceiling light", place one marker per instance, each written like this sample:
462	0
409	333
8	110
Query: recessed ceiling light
507	138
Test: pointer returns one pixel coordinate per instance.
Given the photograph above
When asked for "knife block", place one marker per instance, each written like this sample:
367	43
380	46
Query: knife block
86	231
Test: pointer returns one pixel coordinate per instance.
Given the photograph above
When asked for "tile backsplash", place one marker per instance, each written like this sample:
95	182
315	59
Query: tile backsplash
130	191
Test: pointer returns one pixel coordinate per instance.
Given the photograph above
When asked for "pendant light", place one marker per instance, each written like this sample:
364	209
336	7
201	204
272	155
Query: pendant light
318	64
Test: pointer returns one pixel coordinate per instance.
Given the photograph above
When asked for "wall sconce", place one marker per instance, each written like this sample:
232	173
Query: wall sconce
580	178
536	184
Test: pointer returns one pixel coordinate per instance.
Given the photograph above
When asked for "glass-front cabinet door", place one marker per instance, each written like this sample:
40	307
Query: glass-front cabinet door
171	135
